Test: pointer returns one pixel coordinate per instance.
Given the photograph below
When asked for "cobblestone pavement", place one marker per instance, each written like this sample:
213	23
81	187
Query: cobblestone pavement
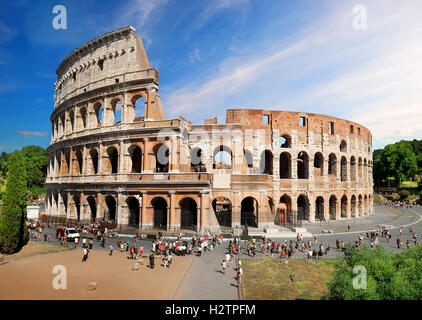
204	279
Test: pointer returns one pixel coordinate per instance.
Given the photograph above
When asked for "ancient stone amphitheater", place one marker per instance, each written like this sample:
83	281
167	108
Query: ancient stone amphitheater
114	155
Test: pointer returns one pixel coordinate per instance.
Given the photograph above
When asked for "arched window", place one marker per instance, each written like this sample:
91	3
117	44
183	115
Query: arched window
353	168
318	164
285	166
138	102
98	108
188	213
344	207
332	164
249	212
285	141
84	113
111	207
222	158
78	162
302	165
343	169
113	160
319	208
135	154
94	161
92	207
161	152
117	111
196	162
302	208
266	163
353	206
248	157
343	146
333	208
223	211
133	206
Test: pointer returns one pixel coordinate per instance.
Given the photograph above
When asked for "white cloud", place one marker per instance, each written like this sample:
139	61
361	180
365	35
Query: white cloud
7	33
373	77
29	134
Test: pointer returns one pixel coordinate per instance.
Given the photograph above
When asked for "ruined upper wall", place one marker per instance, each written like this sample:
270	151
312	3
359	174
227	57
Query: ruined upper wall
114	57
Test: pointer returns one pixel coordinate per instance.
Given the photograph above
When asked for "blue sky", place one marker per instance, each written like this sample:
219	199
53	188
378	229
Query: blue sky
218	54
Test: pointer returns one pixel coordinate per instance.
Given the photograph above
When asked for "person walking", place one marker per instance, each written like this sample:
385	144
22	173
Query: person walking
170	259
85	257
76	242
111	250
224	266
84	243
91	242
151	261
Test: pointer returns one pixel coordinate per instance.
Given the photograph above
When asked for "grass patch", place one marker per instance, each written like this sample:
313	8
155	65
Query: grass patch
34	248
269	279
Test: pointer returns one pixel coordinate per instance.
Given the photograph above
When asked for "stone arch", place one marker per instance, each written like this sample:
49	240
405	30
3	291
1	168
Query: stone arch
343	168
196	160
285	165
161	152
72	121
135	154
353	206
343	146
111	207
332	164
92	204
285	141
188	213
365	205
284	209
133	207
365	170
360	169
266	162
318	164
159	205
84	117
248	157
112	165
223	211
353	168
99	112
78	164
93	153
222	158
117	108
139	103
360	205
77	201
302	165
319	208
344	205
333	207
66	163
302	207
249	212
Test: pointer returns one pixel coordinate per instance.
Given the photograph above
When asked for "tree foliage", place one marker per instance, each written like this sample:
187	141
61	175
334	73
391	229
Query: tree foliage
13	231
389	276
36	161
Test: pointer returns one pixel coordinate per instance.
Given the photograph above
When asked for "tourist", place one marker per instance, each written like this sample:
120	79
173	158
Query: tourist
111	250
49	238
239	276
141	251
85	257
76	245
84	242
398	243
224	266
91	242
170	260
310	253
408	244
165	262
151	261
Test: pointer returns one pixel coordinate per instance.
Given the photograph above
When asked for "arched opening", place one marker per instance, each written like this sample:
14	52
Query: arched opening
92	207
344	207
196	163
302	208
223	211
161	152
365	204
77	202
84	113
59	163
133	207
160	212
319	208
72	121
285	166
66	166
343	146
111	207
113	160
222	158
343	169
365	171
94	161
138	102
248	157
302	165
283	213
117	111
266	163
285	141
135	154
360	169
333	208
188	213
353	206
98	109
79	162
353	168
360	206
332	164
249	212
318	164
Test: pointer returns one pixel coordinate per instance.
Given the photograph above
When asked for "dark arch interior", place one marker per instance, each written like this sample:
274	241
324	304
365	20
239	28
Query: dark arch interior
111	207
160	213
344	207
319	208
285	166
133	206
249	214
266	163
302	166
136	157
93	208
302	208
94	159
188	213
333	207
223	211
113	156
162	158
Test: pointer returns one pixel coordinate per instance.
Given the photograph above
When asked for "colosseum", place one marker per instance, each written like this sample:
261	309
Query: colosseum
114	155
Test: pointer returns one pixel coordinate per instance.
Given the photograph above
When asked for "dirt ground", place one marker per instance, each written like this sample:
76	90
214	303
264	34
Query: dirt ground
32	277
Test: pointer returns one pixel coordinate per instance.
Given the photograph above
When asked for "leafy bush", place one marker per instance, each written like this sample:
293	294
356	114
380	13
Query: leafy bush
404	194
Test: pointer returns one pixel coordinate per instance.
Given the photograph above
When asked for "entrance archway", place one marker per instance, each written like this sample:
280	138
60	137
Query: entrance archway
249	212
302	208
283	210
93	207
188	213
223	211
319	208
111	206
133	207
160	213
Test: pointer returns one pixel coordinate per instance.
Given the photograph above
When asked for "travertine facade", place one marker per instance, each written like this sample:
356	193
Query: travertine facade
114	154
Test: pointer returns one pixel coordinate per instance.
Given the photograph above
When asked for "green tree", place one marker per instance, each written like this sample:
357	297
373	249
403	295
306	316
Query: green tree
398	160
13	230
36	161
404	194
